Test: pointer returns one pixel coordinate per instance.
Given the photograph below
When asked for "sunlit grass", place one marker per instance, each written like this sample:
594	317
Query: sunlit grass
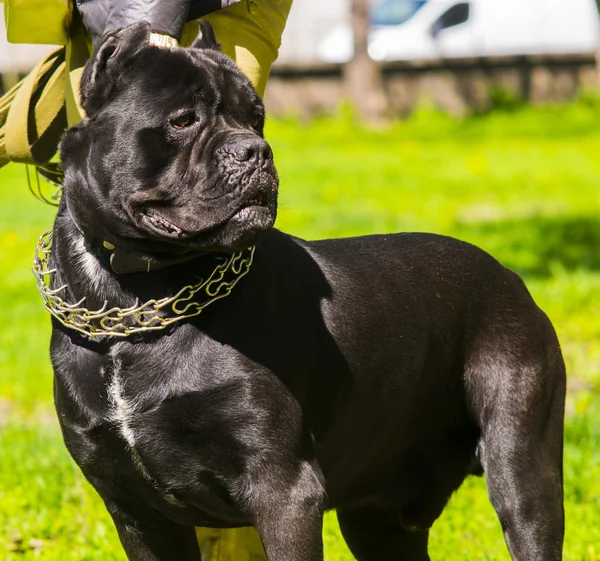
523	185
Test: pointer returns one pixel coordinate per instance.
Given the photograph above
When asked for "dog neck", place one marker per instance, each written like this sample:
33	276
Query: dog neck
159	298
89	271
122	261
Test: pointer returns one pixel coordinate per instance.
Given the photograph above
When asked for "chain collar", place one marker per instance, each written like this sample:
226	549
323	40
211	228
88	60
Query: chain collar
149	316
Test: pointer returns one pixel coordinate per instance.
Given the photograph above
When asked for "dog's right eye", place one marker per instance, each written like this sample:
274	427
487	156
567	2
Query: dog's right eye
182	121
256	123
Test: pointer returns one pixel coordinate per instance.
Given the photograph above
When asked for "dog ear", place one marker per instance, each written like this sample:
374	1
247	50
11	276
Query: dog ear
206	38
105	68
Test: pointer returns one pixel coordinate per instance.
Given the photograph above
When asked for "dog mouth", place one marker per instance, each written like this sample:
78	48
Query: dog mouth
258	202
261	200
157	222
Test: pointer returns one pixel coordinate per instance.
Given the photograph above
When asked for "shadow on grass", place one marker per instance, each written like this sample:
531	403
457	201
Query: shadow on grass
538	246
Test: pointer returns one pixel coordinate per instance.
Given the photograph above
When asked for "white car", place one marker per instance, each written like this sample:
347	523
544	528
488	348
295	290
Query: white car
426	29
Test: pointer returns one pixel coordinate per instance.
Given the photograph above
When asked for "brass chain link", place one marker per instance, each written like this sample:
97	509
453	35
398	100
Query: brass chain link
149	316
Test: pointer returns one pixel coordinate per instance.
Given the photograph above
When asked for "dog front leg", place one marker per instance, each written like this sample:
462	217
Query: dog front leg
288	513
158	539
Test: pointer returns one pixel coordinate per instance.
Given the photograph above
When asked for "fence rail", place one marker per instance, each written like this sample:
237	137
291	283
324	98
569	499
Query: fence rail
454	85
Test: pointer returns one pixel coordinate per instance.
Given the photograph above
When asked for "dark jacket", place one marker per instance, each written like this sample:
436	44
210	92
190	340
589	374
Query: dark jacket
165	16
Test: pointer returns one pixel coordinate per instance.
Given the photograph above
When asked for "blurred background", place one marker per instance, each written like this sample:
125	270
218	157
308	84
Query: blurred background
477	119
460	54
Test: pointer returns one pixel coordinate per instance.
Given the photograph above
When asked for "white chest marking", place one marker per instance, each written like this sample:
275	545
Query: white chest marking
122	413
88	265
122	410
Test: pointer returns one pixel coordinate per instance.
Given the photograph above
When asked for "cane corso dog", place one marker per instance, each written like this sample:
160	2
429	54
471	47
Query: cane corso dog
370	375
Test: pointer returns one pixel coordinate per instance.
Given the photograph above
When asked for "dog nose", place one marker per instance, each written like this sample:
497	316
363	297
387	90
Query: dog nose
252	150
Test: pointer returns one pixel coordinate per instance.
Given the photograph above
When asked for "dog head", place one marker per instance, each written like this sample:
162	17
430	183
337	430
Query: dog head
170	157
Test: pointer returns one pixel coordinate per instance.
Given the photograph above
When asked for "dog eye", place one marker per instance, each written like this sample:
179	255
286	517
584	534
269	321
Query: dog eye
182	121
256	123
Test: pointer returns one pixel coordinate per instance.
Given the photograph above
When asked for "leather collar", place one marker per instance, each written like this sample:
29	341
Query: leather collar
122	261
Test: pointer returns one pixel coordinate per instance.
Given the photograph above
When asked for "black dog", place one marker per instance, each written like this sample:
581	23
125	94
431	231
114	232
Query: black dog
370	375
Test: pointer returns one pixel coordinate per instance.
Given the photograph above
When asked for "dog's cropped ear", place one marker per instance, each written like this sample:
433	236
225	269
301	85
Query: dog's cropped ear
107	65
206	38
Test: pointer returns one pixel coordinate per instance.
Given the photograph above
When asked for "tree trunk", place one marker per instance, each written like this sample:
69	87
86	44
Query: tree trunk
362	76
598	47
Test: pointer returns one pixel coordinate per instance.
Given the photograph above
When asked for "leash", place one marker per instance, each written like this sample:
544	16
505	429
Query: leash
37	110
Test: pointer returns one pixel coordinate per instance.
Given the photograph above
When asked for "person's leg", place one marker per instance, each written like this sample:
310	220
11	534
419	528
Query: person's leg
237	544
250	33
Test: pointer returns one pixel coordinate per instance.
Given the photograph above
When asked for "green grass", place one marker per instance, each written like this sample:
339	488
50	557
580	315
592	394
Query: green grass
525	185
